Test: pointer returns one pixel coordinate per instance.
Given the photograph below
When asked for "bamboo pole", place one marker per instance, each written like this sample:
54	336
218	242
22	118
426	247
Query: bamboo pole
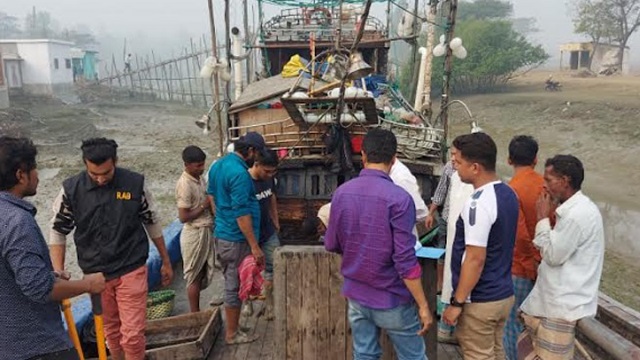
196	62
428	70
139	77
149	77
448	65
155	69
189	77
216	80
245	20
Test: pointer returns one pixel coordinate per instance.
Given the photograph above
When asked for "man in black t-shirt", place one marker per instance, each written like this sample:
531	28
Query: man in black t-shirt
262	172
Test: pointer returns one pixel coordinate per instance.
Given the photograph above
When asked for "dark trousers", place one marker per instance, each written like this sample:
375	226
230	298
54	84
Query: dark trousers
69	354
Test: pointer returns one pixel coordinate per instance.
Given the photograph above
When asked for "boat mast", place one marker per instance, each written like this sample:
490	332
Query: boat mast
216	81
448	65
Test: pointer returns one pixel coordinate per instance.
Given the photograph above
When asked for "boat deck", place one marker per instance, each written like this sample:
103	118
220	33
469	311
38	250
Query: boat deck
263	348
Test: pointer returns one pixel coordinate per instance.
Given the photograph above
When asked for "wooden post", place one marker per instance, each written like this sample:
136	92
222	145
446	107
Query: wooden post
216	80
448	65
155	70
430	287
414	54
196	62
139	76
188	65
310	313
115	68
428	70
245	20
150	77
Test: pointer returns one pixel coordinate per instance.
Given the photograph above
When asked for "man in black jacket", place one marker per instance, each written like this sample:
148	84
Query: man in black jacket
112	212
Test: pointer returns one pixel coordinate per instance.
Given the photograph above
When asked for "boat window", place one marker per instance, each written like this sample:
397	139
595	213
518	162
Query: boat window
315	184
295	184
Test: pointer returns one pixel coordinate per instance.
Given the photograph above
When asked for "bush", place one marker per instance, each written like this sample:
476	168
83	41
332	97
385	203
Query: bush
495	52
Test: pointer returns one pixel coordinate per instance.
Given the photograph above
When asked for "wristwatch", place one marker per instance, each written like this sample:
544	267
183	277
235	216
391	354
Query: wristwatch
455	302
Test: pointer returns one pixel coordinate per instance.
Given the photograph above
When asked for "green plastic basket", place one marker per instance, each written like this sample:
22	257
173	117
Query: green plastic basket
160	304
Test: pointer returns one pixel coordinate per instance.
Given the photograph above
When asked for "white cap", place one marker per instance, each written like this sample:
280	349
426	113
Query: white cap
323	214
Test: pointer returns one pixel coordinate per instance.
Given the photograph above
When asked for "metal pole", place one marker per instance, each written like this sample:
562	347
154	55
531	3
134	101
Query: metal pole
414	53
431	41
216	80
448	65
245	19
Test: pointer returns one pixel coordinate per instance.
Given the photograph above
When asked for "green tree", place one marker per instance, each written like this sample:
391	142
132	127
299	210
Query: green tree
9	27
40	24
81	35
611	20
484	10
495	52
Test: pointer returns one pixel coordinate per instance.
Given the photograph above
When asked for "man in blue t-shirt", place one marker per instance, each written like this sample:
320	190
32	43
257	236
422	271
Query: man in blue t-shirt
237	223
482	252
262	173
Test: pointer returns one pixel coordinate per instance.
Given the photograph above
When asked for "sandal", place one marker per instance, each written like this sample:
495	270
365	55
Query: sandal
242	338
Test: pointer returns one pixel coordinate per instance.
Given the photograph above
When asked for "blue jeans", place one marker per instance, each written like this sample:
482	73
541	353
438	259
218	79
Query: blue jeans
268	247
400	323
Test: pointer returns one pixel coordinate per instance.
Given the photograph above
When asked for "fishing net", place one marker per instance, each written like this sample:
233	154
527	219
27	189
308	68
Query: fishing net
314	3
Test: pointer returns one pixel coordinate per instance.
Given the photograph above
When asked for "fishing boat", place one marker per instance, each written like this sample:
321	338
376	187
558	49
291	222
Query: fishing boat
326	85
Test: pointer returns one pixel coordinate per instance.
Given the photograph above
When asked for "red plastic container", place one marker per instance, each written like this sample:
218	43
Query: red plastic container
356	143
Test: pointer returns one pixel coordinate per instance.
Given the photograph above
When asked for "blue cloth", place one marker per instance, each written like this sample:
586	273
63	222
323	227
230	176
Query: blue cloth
512	329
493	207
400	323
31	323
232	189
371	225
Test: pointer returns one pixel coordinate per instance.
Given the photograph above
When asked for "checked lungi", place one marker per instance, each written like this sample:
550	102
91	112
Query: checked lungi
546	339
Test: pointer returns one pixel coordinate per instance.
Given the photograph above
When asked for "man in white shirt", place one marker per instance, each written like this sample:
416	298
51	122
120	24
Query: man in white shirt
402	176
572	256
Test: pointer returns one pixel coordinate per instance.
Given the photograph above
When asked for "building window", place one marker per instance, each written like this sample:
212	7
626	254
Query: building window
55	64
67	63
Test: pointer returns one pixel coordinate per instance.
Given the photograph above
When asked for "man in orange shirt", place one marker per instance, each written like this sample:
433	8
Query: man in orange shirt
528	184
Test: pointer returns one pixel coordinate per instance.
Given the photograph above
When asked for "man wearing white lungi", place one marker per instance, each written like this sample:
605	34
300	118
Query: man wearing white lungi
195	212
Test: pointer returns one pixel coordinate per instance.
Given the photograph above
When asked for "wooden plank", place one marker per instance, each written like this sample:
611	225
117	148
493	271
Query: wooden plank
337	312
294	331
429	285
242	350
268	347
255	348
280	302
323	333
309	305
183	321
192	350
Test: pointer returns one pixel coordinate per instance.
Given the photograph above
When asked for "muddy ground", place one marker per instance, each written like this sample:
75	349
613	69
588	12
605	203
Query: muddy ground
151	137
596	119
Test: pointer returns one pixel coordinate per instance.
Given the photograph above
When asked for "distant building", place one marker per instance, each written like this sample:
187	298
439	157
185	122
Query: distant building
84	64
598	57
4	91
38	66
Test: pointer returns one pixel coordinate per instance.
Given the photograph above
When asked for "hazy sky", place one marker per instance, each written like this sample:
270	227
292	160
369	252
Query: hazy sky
167	23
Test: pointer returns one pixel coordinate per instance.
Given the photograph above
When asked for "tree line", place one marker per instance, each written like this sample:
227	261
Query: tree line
38	24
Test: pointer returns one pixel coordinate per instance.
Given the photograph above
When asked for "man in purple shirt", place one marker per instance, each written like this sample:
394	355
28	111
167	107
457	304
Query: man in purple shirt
371	227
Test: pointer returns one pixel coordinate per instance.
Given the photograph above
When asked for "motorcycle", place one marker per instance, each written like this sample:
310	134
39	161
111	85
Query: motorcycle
550	85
